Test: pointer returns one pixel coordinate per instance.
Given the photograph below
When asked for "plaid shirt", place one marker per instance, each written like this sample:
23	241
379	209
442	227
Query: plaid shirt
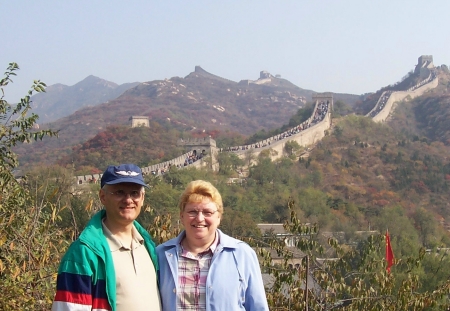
192	274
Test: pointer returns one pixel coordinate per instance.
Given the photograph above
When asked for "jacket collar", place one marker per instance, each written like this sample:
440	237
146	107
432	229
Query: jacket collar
93	236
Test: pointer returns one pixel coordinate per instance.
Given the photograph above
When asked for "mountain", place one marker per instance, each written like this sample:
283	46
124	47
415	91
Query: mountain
199	102
61	100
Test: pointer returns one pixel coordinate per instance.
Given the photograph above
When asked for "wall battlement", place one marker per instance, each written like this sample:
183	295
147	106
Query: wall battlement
194	142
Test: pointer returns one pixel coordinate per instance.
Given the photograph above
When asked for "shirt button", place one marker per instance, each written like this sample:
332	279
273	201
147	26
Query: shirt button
174	290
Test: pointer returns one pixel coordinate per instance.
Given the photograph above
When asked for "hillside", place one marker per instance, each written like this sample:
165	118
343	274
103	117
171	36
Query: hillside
426	117
199	102
363	174
61	100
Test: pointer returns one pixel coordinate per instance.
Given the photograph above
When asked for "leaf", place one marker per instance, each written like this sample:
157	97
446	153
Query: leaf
11	219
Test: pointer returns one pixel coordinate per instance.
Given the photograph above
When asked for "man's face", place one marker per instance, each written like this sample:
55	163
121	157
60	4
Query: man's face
123	203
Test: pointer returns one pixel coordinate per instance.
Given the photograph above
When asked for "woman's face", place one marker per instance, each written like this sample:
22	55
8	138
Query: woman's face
200	220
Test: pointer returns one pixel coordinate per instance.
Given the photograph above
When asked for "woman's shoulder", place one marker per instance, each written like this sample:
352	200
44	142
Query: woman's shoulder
167	245
230	242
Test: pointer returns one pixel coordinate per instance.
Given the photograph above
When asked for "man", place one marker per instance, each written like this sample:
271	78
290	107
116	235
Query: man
112	265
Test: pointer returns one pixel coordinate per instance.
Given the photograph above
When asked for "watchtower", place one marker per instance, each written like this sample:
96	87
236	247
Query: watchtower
425	60
205	146
137	121
424	66
324	97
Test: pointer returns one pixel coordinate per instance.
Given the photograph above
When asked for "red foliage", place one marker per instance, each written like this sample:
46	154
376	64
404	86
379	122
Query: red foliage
420	187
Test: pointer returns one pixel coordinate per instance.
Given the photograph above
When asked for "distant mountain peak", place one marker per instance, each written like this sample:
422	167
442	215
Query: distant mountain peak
200	71
93	80
60	100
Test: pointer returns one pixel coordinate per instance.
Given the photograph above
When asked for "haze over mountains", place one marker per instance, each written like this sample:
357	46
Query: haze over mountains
61	100
199	102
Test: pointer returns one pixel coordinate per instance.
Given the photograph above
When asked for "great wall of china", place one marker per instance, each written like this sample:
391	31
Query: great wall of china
203	152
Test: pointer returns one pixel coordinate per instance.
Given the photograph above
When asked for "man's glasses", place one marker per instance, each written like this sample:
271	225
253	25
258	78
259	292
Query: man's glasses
121	194
205	214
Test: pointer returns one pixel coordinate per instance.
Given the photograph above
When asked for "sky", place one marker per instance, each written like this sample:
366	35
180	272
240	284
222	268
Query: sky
345	46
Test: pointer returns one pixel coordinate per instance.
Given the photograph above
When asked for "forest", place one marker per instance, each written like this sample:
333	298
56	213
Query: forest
362	177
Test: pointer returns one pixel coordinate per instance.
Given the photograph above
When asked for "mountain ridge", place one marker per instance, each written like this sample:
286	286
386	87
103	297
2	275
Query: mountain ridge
61	100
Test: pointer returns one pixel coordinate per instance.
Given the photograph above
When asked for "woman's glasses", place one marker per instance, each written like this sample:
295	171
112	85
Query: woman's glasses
205	214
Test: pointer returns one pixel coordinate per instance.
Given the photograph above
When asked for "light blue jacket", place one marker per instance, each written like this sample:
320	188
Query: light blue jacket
234	280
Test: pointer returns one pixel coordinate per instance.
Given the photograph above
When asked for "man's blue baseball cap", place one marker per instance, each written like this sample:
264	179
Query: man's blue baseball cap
130	173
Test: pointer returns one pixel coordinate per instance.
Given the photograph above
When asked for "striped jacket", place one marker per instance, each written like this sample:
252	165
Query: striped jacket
86	277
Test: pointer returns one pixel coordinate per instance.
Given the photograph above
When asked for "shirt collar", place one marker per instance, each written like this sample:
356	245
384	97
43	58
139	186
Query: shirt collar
115	243
212	248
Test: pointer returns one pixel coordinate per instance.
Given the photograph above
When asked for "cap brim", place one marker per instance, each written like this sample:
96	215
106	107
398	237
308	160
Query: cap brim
127	180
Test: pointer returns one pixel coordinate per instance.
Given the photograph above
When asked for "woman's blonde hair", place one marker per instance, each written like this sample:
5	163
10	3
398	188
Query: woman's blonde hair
198	190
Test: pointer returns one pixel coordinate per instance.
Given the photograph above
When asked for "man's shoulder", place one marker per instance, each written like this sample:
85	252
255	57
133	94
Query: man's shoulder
79	251
79	259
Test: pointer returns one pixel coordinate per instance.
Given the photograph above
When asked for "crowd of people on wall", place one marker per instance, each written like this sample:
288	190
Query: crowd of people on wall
191	157
319	114
423	82
381	103
385	96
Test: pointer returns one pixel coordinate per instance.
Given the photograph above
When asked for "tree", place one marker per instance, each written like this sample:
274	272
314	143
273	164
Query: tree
238	224
55	184
341	109
354	279
292	147
29	243
264	171
228	162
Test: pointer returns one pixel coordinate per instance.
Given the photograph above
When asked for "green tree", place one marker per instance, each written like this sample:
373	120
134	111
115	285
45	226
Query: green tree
354	279
55	185
228	163
238	224
426	227
29	243
263	172
341	109
292	147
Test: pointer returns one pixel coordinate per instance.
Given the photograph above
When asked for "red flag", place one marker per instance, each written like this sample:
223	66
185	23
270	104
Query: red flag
389	253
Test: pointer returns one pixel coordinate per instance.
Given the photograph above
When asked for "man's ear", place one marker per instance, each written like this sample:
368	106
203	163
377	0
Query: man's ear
101	195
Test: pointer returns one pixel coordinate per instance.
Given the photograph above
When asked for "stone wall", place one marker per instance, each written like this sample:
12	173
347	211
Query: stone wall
306	134
304	138
402	95
311	131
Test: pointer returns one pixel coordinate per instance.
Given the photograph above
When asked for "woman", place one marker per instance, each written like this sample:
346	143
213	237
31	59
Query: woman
203	268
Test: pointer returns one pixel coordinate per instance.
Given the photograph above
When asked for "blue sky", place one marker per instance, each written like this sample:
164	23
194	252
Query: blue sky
348	46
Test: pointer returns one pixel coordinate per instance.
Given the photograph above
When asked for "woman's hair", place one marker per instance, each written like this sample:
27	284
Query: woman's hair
198	190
